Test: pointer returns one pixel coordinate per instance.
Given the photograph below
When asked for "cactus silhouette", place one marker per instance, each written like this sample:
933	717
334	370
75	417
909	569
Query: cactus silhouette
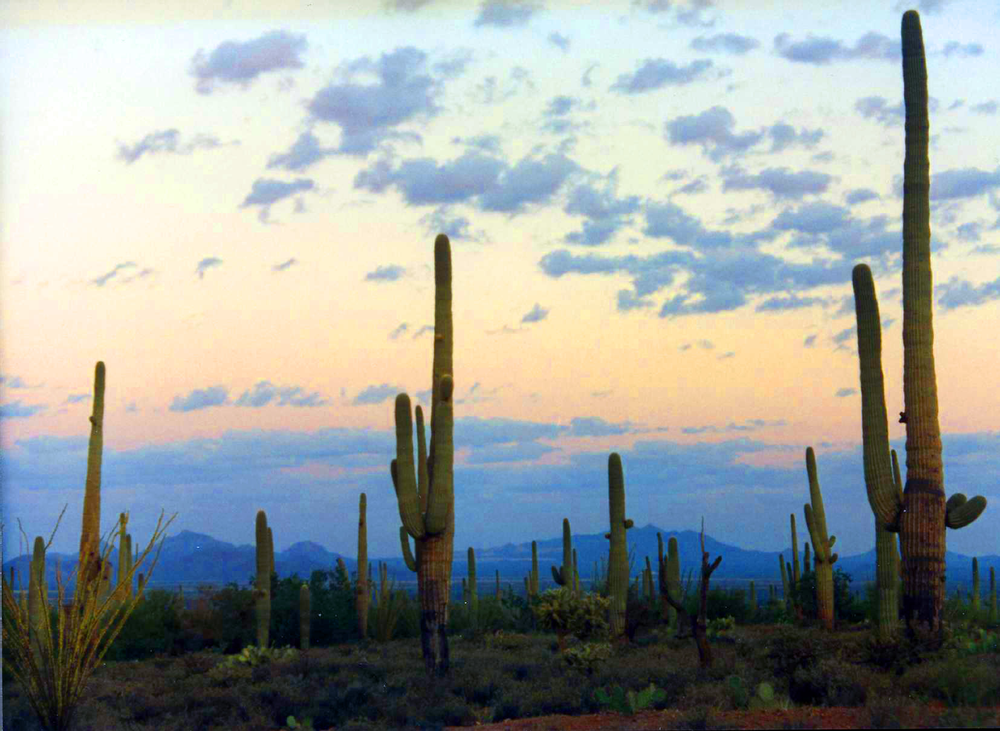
618	558
822	543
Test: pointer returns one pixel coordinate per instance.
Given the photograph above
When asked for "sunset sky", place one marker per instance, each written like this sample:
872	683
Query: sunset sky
654	210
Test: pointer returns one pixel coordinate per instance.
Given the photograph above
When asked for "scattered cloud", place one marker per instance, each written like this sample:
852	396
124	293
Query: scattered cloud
843	392
558	39
284	265
537	314
725	43
240	63
820	51
265	192
713	131
603	211
809	342
957	293
791	302
531	181
400	330
962	50
168	141
303	153
376	394
780	182
389	273
989	107
200	398
784	136
265	392
505	13
104	278
13	382
963	183
594	426
860	195
17	410
656	73
76	398
206	264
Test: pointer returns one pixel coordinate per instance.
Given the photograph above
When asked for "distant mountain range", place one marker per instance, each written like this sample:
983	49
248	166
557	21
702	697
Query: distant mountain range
189	559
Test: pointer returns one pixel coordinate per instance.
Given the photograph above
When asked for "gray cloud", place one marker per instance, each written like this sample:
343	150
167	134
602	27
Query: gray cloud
780	182
369	114
871	46
376	394
655	73
423	181
265	392
860	195
400	330
13	382
725	43
957	293
389	273
206	264
284	265
809	342
104	278
989	107
200	398
537	314
843	392
791	302
17	410
241	63
76	398
558	39
169	141
713	131
962	50
604	211
457	228
784	136
531	181
266	192
303	153
963	183
505	13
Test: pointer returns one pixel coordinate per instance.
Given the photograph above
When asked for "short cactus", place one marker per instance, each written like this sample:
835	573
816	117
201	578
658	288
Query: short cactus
304	616
975	585
563	576
822	542
262	590
361	590
618	559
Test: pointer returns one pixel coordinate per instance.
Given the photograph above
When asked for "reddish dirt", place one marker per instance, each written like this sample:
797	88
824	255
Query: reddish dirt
808	718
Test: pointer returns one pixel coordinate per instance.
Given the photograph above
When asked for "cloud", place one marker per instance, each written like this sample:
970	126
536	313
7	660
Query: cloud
962	50
456	228
780	182
712	130
303	153
971	231
989	107
266	192
200	398
423	181
264	392
809	342
530	181
860	195
537	314
842	392
725	43
75	398
485	143
655	73
284	265
791	302
169	141
389	273
17	410
395	334
820	51
505	13
963	183
877	108
784	136
376	394
558	39
206	264
103	279
422	330
604	211
241	63
957	293
13	382
369	114
594	426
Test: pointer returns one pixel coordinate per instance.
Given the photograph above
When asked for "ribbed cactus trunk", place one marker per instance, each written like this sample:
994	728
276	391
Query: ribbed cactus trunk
920	514
974	604
305	616
262	586
89	567
425	489
361	591
822	542
37	598
673	579
618	556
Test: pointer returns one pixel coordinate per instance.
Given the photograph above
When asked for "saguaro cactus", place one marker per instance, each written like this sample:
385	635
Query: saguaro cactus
89	567
974	603
563	576
822	543
533	576
37	597
262	588
304	616
618	558
921	514
425	490
473	591
361	593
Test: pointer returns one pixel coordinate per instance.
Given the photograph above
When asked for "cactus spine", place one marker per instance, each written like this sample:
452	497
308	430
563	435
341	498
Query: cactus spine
425	489
262	592
90	535
921	514
975	586
361	595
618	558
37	598
822	543
564	576
304	616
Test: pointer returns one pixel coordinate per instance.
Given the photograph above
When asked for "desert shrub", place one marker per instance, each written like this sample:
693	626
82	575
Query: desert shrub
828	682
956	681
847	608
154	627
790	649
334	617
233	612
722	603
564	612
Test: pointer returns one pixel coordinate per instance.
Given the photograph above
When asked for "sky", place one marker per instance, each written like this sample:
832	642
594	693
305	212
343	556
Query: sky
654	210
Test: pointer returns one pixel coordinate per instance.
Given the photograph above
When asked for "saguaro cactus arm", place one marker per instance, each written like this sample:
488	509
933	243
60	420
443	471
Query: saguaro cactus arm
404	540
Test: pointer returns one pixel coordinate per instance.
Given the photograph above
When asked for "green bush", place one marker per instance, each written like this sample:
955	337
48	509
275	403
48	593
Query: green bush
847	608
153	628
566	613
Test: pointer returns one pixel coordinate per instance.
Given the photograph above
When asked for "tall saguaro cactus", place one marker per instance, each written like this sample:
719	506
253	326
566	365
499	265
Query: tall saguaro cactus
37	597
563	576
533	576
361	592
822	542
262	587
305	616
89	567
618	558
473	590
425	489
921	513
974	602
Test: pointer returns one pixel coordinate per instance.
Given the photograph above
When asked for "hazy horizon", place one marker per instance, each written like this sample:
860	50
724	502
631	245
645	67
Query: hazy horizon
654	210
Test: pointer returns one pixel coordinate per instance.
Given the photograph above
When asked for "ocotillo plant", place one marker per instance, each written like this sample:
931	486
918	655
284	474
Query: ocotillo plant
921	514
425	490
262	587
361	593
822	542
974	604
563	576
304	616
618	557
